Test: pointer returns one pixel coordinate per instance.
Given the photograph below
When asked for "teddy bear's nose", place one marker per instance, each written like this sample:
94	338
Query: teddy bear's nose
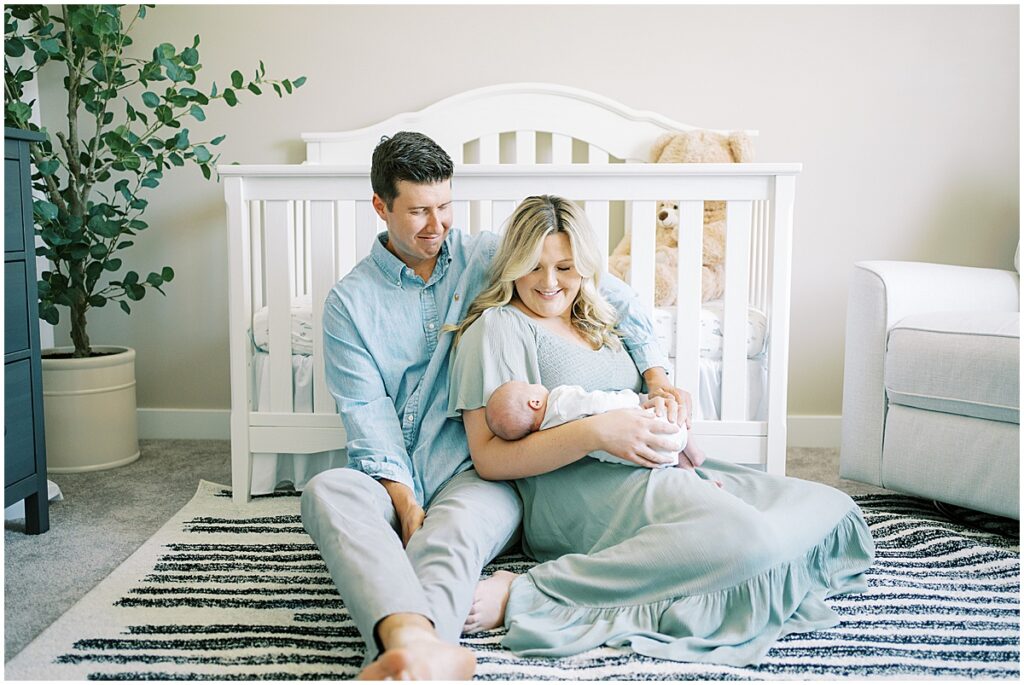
662	215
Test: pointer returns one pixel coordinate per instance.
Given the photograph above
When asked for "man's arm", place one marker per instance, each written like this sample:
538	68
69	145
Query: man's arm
375	443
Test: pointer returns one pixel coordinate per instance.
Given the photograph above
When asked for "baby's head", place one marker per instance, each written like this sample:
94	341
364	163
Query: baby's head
516	409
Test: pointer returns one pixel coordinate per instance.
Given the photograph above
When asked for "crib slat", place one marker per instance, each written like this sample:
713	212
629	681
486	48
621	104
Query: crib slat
346	251
688	297
256	262
597	210
366	228
460	215
490	153
734	320
641	273
526	147
561	149
292	224
501	210
278	216
323	269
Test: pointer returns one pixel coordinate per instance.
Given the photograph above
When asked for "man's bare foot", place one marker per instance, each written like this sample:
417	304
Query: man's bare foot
416	653
489	601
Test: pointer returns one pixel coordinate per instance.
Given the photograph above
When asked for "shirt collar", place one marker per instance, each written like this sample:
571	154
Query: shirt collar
393	267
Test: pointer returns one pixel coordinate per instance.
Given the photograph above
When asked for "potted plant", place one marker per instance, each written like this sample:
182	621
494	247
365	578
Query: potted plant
125	118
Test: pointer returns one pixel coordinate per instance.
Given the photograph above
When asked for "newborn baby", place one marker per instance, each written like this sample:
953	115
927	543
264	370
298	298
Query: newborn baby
516	409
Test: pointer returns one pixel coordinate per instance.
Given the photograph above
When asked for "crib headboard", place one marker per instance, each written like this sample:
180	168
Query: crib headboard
522	123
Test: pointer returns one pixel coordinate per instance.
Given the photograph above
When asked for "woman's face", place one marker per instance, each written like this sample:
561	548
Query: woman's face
551	288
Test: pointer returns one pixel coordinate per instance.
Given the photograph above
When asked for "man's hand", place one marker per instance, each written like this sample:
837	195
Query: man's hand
410	513
635	435
658	385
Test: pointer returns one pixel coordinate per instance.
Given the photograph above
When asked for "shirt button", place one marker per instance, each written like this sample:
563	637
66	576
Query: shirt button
408	418
456	297
430	326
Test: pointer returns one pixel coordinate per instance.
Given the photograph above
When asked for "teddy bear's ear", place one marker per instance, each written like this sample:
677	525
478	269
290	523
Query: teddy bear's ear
741	147
660	144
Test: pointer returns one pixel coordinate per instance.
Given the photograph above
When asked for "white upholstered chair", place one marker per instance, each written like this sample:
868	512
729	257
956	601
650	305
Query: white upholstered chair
931	394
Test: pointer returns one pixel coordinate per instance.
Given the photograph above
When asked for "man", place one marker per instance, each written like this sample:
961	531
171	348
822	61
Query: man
406	529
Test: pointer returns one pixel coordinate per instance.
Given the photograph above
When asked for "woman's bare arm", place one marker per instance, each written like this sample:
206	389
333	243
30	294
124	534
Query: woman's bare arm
631	434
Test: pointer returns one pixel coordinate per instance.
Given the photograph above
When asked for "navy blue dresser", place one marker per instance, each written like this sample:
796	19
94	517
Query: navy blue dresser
24	447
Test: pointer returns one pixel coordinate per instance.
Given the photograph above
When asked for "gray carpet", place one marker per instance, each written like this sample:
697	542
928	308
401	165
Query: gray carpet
107	515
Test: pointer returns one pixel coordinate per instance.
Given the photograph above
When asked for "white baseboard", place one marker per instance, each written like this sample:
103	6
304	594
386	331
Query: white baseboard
811	430
804	430
185	424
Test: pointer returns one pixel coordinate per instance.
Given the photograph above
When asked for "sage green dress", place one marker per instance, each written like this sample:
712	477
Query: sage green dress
659	560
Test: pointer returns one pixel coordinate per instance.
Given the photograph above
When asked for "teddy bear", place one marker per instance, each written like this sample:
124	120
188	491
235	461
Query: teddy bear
687	146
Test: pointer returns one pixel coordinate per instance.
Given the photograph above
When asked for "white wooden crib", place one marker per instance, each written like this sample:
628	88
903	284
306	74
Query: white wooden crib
294	230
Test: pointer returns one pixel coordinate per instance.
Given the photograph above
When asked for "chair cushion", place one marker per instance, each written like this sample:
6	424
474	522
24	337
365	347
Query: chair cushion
962	363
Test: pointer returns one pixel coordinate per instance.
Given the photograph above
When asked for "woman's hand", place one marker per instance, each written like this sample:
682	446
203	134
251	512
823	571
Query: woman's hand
410	513
658	385
634	435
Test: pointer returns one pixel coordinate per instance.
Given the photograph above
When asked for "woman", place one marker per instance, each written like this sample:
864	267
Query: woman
657	559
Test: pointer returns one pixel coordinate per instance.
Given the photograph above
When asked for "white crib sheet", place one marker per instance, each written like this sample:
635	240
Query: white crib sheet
269	470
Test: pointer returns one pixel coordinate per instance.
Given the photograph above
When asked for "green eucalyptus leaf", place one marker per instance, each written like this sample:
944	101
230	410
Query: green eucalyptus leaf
49	314
181	141
112	264
124	307
299	81
130	278
14	47
98	251
150	183
287	85
151	99
154	279
202	154
48	167
167	273
135	292
45	210
122	245
237	79
190	56
253	88
97	301
218	140
197	113
229	97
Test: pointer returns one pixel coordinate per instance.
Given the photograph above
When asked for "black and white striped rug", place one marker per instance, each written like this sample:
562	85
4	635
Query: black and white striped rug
223	592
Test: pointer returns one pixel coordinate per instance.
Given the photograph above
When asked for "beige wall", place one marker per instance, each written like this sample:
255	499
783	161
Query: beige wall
906	120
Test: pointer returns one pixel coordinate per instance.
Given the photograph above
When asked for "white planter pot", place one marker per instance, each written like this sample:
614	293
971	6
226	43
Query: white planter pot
89	410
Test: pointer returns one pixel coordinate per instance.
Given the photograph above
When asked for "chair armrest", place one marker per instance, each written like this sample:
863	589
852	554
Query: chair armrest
882	293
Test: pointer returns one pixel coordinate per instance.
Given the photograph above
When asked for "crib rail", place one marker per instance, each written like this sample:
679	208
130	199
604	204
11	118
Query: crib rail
294	230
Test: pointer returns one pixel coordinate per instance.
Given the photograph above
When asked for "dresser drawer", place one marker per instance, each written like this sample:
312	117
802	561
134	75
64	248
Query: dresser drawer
19	433
16	321
14	224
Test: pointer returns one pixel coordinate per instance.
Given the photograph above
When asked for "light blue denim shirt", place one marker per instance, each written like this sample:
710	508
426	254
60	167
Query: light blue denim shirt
387	360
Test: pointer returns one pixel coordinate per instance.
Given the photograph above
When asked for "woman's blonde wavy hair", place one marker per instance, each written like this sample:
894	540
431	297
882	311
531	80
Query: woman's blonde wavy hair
519	253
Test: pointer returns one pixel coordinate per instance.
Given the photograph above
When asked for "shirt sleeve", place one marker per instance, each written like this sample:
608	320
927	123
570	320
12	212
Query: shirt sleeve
634	325
498	347
375	443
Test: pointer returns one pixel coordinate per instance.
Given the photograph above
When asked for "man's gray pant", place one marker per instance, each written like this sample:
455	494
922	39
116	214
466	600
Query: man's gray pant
350	517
